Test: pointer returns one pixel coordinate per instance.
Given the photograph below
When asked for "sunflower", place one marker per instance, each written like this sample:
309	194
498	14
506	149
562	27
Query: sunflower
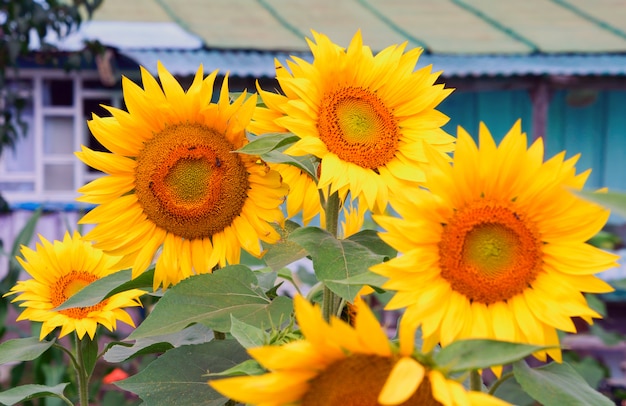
366	117
496	248
336	364
61	269
174	181
303	193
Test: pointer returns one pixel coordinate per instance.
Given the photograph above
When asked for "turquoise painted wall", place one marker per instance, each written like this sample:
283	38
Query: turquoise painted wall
597	131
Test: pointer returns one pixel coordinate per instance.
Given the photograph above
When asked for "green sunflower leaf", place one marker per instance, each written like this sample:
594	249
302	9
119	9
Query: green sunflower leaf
306	163
465	355
89	349
615	201
106	287
211	299
338	262
23	349
285	251
247	335
20	394
556	385
268	142
371	240
511	391
248	367
123	351
24	237
179	377
367	278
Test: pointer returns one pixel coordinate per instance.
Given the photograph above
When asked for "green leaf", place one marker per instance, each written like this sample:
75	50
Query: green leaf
596	303
367	278
248	367
89	349
267	142
266	278
23	393
306	163
371	240
336	261
556	385
178	377
284	252
24	237
590	370
247	335
464	355
617	284
211	299
615	201
608	337
106	287
196	334
22	349
511	391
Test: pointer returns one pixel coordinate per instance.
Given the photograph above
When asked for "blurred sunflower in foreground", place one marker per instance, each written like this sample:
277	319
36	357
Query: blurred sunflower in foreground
497	247
337	364
58	271
174	182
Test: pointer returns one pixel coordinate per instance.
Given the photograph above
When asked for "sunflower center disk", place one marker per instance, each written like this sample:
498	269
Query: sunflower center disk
357	381
67	286
189	182
357	126
489	253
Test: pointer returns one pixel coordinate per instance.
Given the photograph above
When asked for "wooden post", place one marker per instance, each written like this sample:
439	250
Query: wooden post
540	96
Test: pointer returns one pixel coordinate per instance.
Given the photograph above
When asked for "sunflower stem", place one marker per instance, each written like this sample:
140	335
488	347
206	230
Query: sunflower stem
81	375
331	302
69	353
333	205
476	381
65	400
499	382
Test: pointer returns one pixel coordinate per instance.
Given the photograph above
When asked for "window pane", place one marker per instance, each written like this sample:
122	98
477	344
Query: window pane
17	186
22	158
58	177
58	92
58	135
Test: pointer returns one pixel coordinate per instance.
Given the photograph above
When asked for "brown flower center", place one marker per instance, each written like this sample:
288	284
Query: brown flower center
357	381
67	286
189	182
357	126
489	253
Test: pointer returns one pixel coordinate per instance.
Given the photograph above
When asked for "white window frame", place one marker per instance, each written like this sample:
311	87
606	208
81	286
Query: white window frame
36	129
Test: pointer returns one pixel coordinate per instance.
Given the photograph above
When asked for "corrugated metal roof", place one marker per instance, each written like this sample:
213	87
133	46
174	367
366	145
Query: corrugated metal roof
261	64
536	64
238	63
440	26
461	37
126	35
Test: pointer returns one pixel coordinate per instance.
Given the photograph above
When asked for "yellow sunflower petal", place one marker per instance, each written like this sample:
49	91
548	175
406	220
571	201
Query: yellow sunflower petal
358	112
71	264
178	178
405	377
497	243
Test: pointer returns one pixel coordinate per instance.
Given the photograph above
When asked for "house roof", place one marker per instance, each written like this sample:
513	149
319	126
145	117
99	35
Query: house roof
261	64
461	37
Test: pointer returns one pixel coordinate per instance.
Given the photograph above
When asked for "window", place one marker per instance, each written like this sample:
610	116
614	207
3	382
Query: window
43	167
